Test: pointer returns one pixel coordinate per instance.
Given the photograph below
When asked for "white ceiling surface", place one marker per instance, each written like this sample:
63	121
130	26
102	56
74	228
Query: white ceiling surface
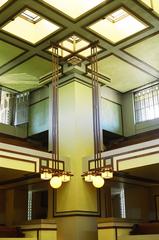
130	62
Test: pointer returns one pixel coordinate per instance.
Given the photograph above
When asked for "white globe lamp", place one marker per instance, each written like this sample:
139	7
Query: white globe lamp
89	178
98	181
65	178
56	182
107	174
45	175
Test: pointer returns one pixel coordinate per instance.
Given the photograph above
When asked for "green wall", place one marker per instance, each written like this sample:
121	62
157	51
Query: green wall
111	110
38	111
18	131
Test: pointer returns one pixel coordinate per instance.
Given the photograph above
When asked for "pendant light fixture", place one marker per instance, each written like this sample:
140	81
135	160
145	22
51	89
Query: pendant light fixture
55	173
102	169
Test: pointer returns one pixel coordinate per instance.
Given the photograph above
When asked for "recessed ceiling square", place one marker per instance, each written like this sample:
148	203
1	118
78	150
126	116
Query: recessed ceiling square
26	75
2	2
153	4
8	52
31	27
118	25
124	76
73	44
74	8
149	56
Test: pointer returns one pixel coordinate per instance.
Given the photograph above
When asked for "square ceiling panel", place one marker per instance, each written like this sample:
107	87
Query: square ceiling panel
74	8
147	51
8	52
2	2
118	25
153	4
30	26
73	44
124	76
26	75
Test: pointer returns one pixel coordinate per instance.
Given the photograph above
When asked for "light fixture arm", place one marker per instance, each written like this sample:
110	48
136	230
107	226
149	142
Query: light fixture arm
55	127
100	170
51	169
95	103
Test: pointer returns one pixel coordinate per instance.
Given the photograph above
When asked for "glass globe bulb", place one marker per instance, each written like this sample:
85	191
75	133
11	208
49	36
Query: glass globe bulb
65	178
89	178
107	174
46	176
98	181
56	182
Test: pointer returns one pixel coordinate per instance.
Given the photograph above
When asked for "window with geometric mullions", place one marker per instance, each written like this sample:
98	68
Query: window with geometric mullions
146	104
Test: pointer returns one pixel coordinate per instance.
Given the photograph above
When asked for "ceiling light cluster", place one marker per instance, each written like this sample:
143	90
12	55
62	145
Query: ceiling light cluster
97	177
56	177
98	171
72	44
73	50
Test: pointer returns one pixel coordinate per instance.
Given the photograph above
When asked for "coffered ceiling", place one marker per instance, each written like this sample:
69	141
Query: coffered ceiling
127	31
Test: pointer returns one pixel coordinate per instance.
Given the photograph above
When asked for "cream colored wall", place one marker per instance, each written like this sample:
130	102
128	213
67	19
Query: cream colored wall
30	234
76	142
111	233
122	232
16	164
42	234
138	161
42	229
77	228
106	234
47	235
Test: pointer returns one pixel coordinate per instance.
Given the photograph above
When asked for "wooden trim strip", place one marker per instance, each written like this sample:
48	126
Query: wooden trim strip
36	158
38	229
130	158
114	227
131	151
21	160
25	154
